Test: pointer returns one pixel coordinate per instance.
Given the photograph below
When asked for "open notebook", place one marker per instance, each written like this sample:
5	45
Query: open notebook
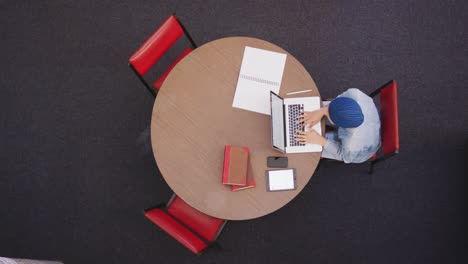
261	72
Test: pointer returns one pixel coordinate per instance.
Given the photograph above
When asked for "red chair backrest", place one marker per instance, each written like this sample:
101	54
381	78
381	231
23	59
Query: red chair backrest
204	225
156	45
389	117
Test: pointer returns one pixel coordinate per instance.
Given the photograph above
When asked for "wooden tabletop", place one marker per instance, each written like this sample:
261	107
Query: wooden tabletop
193	119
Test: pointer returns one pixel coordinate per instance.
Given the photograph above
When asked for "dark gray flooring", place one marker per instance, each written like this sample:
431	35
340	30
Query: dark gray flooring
76	168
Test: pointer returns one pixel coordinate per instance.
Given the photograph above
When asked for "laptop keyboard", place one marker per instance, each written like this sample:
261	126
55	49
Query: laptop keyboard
294	111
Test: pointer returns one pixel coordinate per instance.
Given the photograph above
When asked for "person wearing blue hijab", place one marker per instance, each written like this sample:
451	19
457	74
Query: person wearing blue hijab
356	123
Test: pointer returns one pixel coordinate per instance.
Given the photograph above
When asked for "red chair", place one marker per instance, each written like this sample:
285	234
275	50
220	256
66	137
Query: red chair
156	46
192	228
389	122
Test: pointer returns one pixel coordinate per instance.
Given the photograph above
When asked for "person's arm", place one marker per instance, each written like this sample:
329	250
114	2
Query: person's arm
334	149
313	117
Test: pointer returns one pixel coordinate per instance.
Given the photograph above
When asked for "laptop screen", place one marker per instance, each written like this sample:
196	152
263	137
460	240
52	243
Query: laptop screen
277	121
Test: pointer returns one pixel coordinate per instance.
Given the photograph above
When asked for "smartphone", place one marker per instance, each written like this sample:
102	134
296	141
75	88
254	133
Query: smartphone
277	162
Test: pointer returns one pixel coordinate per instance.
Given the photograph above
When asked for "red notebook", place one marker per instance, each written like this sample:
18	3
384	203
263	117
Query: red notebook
251	184
235	165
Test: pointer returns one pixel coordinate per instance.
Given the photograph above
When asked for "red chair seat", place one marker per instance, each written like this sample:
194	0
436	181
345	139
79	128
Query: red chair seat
176	230
204	225
161	79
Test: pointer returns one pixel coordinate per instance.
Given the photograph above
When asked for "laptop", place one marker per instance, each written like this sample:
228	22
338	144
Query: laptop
284	113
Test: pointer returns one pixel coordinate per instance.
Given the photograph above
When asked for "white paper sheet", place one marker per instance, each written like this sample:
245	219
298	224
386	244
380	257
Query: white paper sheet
281	180
261	72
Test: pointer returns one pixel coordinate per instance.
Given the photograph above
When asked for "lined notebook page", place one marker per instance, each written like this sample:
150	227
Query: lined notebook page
261	72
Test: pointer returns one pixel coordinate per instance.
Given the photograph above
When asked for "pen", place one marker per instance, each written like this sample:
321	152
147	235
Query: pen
304	91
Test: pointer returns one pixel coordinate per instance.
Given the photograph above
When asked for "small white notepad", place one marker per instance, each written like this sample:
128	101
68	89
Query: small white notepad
261	72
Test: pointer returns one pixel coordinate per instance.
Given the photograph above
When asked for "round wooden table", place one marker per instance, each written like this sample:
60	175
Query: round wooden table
193	119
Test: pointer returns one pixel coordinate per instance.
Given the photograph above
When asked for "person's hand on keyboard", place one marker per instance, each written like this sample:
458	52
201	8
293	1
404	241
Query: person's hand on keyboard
308	119
311	137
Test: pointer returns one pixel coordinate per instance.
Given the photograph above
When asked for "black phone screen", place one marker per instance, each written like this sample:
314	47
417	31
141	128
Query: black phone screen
277	162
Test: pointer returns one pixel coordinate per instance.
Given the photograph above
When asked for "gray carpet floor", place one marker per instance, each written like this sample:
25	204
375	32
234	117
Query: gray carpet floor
76	166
